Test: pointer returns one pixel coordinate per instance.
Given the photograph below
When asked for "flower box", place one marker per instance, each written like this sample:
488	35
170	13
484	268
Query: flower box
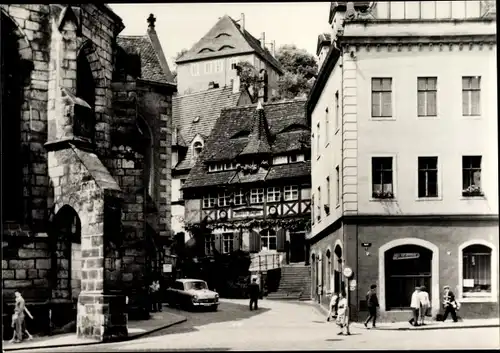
472	191
382	195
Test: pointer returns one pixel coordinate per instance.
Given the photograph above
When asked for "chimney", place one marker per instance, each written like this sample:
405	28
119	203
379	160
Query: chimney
211	85
242	25
263	40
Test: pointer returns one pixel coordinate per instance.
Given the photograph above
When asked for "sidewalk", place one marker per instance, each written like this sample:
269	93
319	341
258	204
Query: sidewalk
430	324
136	329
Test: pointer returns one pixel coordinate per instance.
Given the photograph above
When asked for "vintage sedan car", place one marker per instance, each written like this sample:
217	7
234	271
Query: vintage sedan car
192	293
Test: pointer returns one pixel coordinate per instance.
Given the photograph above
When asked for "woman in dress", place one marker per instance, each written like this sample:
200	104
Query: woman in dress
342	313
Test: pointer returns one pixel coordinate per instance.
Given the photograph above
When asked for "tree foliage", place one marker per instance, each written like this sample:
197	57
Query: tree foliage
300	68
177	57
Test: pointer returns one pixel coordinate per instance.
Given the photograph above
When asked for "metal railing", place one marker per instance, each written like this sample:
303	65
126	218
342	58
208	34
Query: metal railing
265	262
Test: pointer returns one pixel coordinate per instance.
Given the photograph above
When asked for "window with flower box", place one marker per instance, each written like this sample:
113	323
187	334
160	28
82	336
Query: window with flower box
224	199
239	198
209	200
291	193
257	195
471	176
382	178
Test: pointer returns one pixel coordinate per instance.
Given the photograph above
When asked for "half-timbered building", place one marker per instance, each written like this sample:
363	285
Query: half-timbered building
250	190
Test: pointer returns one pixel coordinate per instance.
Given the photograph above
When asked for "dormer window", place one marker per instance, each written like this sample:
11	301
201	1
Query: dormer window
225	47
219	167
197	148
223	35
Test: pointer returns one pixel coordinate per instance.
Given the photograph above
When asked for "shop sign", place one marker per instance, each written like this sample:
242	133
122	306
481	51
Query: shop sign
406	255
247	213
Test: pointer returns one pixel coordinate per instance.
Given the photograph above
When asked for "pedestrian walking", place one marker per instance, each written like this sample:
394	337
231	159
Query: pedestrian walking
154	290
372	304
334	302
425	303
450	304
342	313
18	319
415	307
254	292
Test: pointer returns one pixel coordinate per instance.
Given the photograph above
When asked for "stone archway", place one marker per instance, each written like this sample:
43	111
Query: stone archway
434	270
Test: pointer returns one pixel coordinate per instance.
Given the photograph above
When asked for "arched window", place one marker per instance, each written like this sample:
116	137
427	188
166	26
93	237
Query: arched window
328	277
197	148
85	89
148	155
477	271
12	92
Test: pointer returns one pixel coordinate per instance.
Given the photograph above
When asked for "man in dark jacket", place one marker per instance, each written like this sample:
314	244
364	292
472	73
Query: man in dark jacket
254	292
449	304
372	303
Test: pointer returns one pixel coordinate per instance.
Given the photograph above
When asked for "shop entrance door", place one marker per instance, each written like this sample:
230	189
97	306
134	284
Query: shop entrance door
406	267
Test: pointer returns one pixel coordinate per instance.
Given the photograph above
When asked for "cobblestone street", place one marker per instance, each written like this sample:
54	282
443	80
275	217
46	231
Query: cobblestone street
286	326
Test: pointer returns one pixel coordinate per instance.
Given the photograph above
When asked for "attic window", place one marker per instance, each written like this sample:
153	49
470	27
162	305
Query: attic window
219	167
196	119
241	134
224	47
223	35
205	50
197	148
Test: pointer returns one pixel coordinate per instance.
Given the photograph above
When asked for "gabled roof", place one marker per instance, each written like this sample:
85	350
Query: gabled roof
226	38
324	39
222	146
206	105
152	67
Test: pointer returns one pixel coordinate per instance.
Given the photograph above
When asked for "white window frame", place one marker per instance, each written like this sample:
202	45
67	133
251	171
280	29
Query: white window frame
318	141
219	65
438	176
313	197
209	201
291	193
230	166
195	69
227	243
267	235
337	113
469	91
394	177
319	204
209	240
208	67
493	295
239	198
256	195
426	92
380	93
277	160
328	191
273	194
224	199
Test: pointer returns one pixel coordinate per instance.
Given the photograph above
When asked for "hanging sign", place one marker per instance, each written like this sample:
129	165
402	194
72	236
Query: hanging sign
366	245
347	272
352	285
167	268
405	255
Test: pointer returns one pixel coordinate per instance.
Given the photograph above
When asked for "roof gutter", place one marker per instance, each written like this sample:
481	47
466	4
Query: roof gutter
171	86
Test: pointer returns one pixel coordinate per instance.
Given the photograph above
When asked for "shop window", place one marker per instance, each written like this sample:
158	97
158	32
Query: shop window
476	275
406	267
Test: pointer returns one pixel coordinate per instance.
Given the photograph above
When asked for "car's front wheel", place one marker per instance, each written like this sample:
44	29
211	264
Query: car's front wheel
214	307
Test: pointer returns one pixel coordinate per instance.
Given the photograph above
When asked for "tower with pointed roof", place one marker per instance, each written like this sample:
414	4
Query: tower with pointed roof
212	58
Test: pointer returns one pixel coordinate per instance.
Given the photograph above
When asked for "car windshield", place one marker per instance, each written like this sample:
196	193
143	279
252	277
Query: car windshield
195	285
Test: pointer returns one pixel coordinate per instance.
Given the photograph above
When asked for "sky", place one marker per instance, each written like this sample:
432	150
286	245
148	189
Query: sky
181	25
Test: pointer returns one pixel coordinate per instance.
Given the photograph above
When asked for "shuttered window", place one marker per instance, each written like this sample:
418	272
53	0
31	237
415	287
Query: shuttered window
382	97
